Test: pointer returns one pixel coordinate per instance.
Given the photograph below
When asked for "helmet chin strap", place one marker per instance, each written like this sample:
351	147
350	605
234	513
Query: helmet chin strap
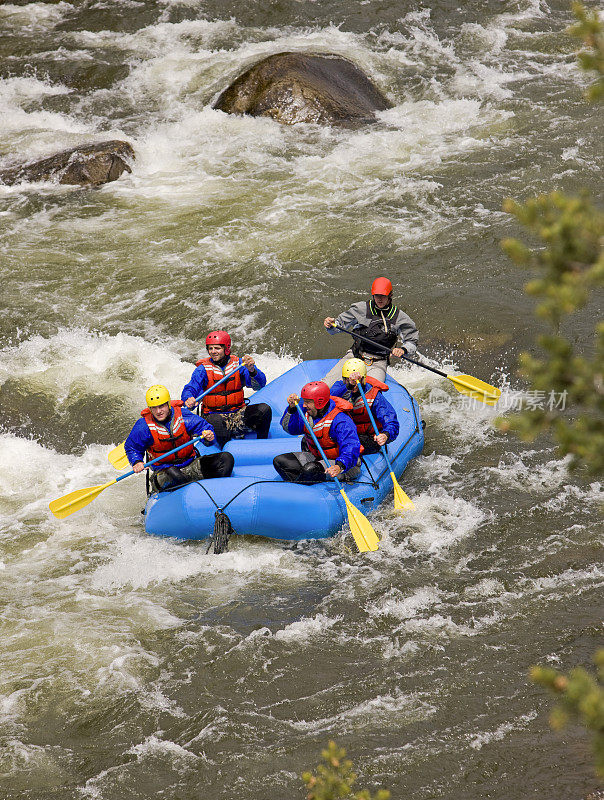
322	411
383	310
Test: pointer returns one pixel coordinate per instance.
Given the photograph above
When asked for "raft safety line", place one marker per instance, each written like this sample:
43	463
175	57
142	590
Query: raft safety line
373	481
255	483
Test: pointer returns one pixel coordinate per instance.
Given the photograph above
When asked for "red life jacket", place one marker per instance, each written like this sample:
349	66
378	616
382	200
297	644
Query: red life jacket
229	395
359	412
322	426
165	440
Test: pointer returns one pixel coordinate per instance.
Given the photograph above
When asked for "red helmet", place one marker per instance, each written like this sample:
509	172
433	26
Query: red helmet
219	337
318	392
381	286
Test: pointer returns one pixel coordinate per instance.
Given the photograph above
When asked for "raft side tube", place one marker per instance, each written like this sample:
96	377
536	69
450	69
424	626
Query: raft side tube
262	508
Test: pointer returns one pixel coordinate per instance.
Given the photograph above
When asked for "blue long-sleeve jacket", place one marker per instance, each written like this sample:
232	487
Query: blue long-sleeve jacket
139	438
199	382
382	410
342	431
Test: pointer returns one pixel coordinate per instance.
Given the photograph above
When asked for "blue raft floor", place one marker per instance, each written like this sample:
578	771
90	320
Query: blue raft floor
255	498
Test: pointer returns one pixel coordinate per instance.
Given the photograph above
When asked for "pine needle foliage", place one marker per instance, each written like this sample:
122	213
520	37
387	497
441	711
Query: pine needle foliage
335	778
589	30
580	698
569	260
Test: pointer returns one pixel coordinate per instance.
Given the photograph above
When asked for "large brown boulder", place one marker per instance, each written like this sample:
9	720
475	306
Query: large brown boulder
305	87
89	165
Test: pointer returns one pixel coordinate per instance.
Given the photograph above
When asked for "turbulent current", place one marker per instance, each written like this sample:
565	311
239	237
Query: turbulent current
137	667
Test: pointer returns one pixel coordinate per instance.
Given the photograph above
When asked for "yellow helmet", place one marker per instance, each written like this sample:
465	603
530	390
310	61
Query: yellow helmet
157	395
354	365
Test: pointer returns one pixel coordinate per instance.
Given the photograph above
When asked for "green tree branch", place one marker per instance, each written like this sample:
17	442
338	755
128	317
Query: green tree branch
581	698
335	778
569	260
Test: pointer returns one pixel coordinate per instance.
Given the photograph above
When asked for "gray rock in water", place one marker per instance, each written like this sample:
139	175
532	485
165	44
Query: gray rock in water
305	87
89	165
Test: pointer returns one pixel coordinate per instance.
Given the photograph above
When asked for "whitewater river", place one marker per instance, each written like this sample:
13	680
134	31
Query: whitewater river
136	667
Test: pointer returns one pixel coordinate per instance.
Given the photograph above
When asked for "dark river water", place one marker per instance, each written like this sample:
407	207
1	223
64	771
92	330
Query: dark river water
136	667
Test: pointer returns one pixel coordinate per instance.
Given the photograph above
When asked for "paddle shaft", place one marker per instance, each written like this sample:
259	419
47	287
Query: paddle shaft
401	501
197	438
308	427
214	385
375	427
118	454
365	537
387	350
163	455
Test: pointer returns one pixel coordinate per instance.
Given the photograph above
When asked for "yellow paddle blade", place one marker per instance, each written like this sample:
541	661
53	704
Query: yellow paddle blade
64	506
476	388
118	458
402	502
360	527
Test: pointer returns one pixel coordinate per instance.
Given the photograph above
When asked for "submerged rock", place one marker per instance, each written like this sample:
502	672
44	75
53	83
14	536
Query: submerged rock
88	165
305	87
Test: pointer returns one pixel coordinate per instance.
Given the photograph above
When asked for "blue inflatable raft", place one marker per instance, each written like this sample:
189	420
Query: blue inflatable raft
258	502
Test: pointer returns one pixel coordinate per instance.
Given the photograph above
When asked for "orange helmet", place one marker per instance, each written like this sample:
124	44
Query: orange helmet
219	337
381	286
318	392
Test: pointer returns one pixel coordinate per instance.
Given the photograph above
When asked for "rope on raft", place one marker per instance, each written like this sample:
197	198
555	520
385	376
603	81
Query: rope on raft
222	532
223	529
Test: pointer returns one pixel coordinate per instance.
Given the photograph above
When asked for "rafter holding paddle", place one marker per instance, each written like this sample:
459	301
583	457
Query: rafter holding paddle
118	458
364	536
68	504
465	384
402	502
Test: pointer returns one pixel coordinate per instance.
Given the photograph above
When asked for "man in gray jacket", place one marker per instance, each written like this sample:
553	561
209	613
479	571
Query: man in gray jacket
381	321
